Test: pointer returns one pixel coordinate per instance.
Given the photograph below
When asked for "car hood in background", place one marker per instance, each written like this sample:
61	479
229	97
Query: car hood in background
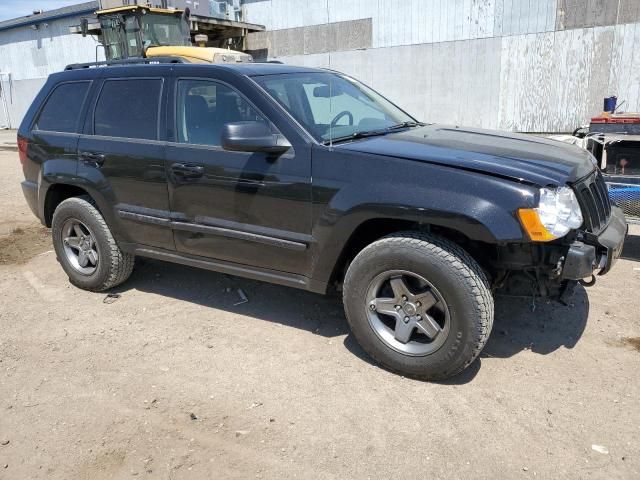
524	158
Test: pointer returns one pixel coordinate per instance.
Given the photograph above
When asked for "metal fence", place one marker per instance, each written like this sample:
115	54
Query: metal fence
626	194
5	119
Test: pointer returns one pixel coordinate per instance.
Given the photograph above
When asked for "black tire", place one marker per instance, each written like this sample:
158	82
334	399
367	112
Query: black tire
459	281
113	267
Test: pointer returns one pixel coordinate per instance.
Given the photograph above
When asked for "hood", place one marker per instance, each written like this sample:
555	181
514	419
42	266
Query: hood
200	54
524	158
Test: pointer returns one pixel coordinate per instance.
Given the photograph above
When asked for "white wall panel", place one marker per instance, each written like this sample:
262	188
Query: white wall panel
31	55
422	79
552	81
625	68
259	13
600	62
534	84
406	22
28	53
518	17
556	81
485	63
19	98
572	48
432	55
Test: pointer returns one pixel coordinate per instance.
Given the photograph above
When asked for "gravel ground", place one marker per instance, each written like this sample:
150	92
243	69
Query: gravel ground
173	380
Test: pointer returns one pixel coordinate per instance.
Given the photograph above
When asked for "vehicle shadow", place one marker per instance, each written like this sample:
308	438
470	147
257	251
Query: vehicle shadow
631	250
542	326
321	315
517	326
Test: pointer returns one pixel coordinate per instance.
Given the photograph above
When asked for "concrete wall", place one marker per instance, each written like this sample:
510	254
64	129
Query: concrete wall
525	65
29	55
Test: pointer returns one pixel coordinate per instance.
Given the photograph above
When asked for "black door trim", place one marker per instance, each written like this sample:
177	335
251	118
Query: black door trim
144	218
251	237
255	273
212	230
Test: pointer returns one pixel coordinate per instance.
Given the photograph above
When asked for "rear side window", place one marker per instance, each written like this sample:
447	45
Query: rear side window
61	112
128	108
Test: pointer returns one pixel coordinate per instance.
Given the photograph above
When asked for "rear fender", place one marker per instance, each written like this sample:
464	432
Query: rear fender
62	172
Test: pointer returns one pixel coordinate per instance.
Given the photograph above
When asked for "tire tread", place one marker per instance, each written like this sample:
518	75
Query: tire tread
467	270
121	263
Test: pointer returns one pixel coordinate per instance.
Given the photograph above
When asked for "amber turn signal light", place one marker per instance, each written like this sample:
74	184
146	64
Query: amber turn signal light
533	226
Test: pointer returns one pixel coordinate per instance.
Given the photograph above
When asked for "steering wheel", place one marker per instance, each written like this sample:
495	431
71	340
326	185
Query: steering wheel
344	113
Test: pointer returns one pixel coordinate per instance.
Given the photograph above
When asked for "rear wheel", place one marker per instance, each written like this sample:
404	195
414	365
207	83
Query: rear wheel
418	304
86	248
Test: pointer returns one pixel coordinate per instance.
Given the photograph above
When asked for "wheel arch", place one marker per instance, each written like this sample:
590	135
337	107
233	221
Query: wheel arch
55	195
372	229
52	194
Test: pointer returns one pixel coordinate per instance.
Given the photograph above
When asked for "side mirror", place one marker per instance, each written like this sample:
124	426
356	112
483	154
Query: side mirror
252	137
84	27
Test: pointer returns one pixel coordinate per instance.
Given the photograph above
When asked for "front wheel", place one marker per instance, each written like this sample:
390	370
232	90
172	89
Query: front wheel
418	304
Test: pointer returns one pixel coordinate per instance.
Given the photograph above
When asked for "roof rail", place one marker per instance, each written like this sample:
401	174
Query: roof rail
129	61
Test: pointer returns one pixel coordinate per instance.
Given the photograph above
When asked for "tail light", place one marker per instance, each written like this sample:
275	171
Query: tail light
23	143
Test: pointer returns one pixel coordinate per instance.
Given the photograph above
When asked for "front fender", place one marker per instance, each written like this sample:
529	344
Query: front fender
481	207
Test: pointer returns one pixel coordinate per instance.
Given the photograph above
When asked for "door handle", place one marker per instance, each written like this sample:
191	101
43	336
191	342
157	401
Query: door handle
92	157
187	171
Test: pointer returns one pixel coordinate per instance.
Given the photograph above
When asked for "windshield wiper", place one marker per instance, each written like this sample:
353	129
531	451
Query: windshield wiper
406	125
373	133
356	135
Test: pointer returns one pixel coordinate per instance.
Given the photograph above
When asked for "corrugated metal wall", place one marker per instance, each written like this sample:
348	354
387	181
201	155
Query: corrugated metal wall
526	65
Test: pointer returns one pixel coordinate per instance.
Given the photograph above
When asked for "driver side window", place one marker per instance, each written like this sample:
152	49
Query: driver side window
204	107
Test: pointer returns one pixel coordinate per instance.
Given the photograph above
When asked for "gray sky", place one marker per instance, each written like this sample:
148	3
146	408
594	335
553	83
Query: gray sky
19	8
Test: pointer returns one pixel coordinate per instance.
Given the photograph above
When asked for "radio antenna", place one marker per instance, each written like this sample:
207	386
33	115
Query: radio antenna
330	92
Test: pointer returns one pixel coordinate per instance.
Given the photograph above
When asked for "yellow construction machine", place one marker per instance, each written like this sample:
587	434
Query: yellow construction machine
139	31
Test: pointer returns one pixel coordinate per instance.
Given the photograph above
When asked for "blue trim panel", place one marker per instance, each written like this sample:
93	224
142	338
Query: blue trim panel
44	19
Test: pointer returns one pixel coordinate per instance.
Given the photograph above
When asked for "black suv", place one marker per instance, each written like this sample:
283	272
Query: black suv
310	179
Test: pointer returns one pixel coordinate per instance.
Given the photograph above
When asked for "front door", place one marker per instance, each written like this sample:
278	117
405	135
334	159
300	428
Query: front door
247	208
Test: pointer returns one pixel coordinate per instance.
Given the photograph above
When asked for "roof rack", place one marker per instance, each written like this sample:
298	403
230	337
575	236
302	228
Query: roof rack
130	61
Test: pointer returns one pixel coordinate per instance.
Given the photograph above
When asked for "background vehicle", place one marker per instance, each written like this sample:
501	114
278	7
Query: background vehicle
309	179
139	31
614	141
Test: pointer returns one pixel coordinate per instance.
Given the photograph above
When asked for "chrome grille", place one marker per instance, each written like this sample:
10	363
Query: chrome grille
594	200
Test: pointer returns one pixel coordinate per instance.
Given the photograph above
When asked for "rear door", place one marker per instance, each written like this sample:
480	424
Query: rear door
54	133
122	152
247	208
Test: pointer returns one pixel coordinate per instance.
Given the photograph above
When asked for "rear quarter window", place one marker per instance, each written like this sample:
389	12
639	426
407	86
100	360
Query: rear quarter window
61	111
128	108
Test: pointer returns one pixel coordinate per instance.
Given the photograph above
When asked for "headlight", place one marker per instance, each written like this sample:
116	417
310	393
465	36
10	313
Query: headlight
558	212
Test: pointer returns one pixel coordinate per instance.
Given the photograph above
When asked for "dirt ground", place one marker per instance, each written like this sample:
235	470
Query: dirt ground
174	381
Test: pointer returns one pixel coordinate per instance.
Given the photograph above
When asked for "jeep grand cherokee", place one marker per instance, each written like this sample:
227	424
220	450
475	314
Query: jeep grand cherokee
310	179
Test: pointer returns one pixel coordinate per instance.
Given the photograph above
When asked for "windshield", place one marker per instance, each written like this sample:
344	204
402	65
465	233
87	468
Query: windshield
163	30
331	106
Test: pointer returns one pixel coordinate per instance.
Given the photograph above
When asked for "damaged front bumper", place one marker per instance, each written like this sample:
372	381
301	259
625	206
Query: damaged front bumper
596	253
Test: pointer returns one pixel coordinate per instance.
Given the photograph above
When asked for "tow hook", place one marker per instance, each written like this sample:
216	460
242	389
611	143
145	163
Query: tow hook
589	283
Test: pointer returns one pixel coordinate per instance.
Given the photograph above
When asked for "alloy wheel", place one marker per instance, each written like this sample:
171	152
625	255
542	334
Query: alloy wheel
80	246
407	312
